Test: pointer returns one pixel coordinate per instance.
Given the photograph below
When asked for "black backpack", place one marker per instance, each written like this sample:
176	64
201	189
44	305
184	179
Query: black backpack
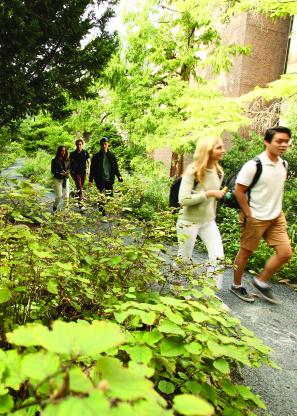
173	193
229	198
174	190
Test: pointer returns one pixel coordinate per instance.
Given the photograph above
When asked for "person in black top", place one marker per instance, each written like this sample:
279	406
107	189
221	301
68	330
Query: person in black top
60	169
79	165
104	169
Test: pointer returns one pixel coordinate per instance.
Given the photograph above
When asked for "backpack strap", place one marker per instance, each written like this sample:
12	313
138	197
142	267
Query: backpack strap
258	171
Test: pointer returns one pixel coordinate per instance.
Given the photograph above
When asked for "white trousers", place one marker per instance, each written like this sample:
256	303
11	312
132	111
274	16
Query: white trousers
62	194
209	233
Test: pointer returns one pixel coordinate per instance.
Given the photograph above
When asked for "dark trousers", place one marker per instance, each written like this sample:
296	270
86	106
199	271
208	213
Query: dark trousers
105	188
79	180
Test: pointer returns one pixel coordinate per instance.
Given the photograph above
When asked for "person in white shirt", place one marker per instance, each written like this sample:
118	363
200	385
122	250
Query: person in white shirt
261	214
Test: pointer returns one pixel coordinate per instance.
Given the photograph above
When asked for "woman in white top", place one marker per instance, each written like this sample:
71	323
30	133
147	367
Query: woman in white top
198	195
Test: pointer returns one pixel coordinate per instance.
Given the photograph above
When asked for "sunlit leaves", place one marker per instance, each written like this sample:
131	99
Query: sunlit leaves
70	338
38	366
5	294
186	404
123	383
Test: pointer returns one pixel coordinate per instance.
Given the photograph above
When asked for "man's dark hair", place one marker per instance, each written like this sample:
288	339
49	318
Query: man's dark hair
79	141
278	129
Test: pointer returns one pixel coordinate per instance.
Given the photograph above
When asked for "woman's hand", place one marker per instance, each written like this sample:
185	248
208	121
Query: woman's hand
216	193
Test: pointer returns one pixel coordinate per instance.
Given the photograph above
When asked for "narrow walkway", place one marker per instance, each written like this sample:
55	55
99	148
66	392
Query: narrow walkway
276	325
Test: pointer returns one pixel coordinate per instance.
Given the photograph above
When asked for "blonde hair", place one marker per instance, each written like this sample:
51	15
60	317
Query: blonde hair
201	158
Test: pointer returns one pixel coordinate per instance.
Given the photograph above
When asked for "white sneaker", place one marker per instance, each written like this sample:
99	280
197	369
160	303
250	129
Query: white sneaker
82	208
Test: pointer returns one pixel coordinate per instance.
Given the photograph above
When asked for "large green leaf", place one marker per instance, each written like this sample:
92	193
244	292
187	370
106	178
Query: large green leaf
172	347
94	405
13	375
222	365
79	382
6	404
186	404
152	337
140	353
200	317
174	317
28	335
73	338
5	294
170	328
228	388
123	383
166	387
194	348
40	365
144	408
52	286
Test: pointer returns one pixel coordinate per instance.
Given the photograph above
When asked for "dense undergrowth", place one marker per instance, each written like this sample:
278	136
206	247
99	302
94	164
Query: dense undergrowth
91	319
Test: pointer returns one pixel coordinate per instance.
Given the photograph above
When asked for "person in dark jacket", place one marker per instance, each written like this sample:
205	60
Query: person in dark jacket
79	166
104	169
60	168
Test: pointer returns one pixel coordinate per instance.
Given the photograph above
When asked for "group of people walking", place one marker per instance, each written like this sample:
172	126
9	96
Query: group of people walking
261	214
102	169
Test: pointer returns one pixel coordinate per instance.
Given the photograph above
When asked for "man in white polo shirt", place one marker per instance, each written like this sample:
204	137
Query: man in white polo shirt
261	214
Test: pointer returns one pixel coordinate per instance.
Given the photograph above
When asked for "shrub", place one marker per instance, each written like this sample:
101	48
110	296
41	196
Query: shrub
140	351
43	133
37	167
147	189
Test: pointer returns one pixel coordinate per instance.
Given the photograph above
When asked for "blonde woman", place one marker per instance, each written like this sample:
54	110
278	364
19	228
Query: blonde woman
198	195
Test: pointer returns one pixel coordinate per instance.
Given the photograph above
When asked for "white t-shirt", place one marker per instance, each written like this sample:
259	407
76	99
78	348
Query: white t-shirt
266	196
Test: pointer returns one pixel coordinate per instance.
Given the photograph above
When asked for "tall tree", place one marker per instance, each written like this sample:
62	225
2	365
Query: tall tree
45	55
160	93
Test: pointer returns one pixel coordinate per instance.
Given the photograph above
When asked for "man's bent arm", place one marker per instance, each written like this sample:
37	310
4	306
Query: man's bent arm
240	194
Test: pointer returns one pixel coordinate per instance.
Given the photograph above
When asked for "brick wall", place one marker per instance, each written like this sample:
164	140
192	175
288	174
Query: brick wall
265	63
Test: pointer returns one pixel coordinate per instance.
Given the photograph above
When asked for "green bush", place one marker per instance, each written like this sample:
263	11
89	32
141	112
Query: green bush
9	153
241	151
127	350
37	167
147	189
43	133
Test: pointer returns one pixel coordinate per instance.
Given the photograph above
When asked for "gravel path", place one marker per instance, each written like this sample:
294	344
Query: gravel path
276	325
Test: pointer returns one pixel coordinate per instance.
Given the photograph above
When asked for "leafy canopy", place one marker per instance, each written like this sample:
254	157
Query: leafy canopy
45	55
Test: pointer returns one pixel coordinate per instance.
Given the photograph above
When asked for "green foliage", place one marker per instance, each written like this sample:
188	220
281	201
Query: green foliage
191	347
11	146
125	350
171	353
272	8
37	167
44	133
147	189
46	55
149	77
10	152
55	270
241	151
